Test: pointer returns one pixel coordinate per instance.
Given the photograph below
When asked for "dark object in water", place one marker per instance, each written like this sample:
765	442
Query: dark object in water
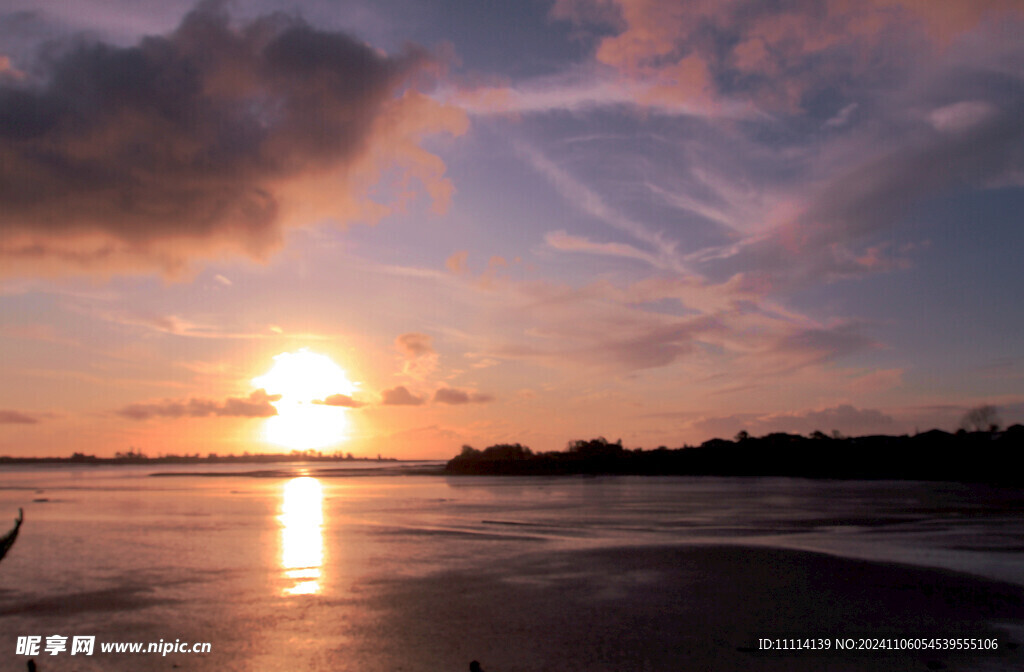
475	667
31	665
8	539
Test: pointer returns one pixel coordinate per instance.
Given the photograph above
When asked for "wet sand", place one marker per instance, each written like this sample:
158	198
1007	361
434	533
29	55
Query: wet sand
680	608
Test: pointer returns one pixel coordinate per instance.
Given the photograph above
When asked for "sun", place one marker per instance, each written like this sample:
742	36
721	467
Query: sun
301	378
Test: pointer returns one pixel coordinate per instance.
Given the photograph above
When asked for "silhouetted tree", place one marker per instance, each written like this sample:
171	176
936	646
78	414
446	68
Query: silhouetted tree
507	451
595	447
776	454
742	435
981	419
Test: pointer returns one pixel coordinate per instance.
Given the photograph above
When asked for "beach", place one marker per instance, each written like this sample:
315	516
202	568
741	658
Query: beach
419	573
685	608
646	608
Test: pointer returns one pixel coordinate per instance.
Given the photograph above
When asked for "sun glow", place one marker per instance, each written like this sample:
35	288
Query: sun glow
301	378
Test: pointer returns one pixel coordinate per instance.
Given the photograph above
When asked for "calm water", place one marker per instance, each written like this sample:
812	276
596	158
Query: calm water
248	562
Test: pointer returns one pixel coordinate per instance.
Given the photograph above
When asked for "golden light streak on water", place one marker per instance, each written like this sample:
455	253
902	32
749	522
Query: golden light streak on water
302	539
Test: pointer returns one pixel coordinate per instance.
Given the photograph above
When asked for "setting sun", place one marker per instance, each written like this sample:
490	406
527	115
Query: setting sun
303	378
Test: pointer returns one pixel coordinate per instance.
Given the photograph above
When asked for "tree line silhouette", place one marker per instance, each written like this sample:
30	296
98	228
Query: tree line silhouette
965	456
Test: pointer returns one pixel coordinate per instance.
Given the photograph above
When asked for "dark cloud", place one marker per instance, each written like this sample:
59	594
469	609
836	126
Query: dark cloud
400	396
16	418
256	405
342	400
185	144
450	395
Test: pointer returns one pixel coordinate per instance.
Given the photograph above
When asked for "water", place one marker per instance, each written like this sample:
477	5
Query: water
249	562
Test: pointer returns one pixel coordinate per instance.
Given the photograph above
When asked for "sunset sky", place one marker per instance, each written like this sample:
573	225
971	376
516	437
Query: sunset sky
474	221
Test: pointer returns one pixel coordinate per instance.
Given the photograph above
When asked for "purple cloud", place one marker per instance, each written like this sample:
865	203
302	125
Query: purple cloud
400	396
8	417
453	396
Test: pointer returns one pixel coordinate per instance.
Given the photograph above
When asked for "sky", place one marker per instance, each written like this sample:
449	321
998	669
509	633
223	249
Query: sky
394	227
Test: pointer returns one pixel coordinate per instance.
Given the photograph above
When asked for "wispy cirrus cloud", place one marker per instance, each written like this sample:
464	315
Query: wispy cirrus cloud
112	309
587	89
589	201
832	69
563	242
827	239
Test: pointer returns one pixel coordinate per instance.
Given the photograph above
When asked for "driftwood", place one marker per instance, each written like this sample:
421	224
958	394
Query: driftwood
8	539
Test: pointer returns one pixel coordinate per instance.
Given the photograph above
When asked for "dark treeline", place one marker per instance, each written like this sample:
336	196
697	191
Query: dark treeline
134	456
979	456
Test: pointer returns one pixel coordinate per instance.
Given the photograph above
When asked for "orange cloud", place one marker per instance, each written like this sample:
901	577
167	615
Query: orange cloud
775	54
456	263
8	71
341	400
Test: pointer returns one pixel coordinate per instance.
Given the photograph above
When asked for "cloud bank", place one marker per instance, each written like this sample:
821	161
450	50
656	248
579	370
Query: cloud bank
256	405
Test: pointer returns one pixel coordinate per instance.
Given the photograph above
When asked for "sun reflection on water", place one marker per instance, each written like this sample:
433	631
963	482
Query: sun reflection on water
302	539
